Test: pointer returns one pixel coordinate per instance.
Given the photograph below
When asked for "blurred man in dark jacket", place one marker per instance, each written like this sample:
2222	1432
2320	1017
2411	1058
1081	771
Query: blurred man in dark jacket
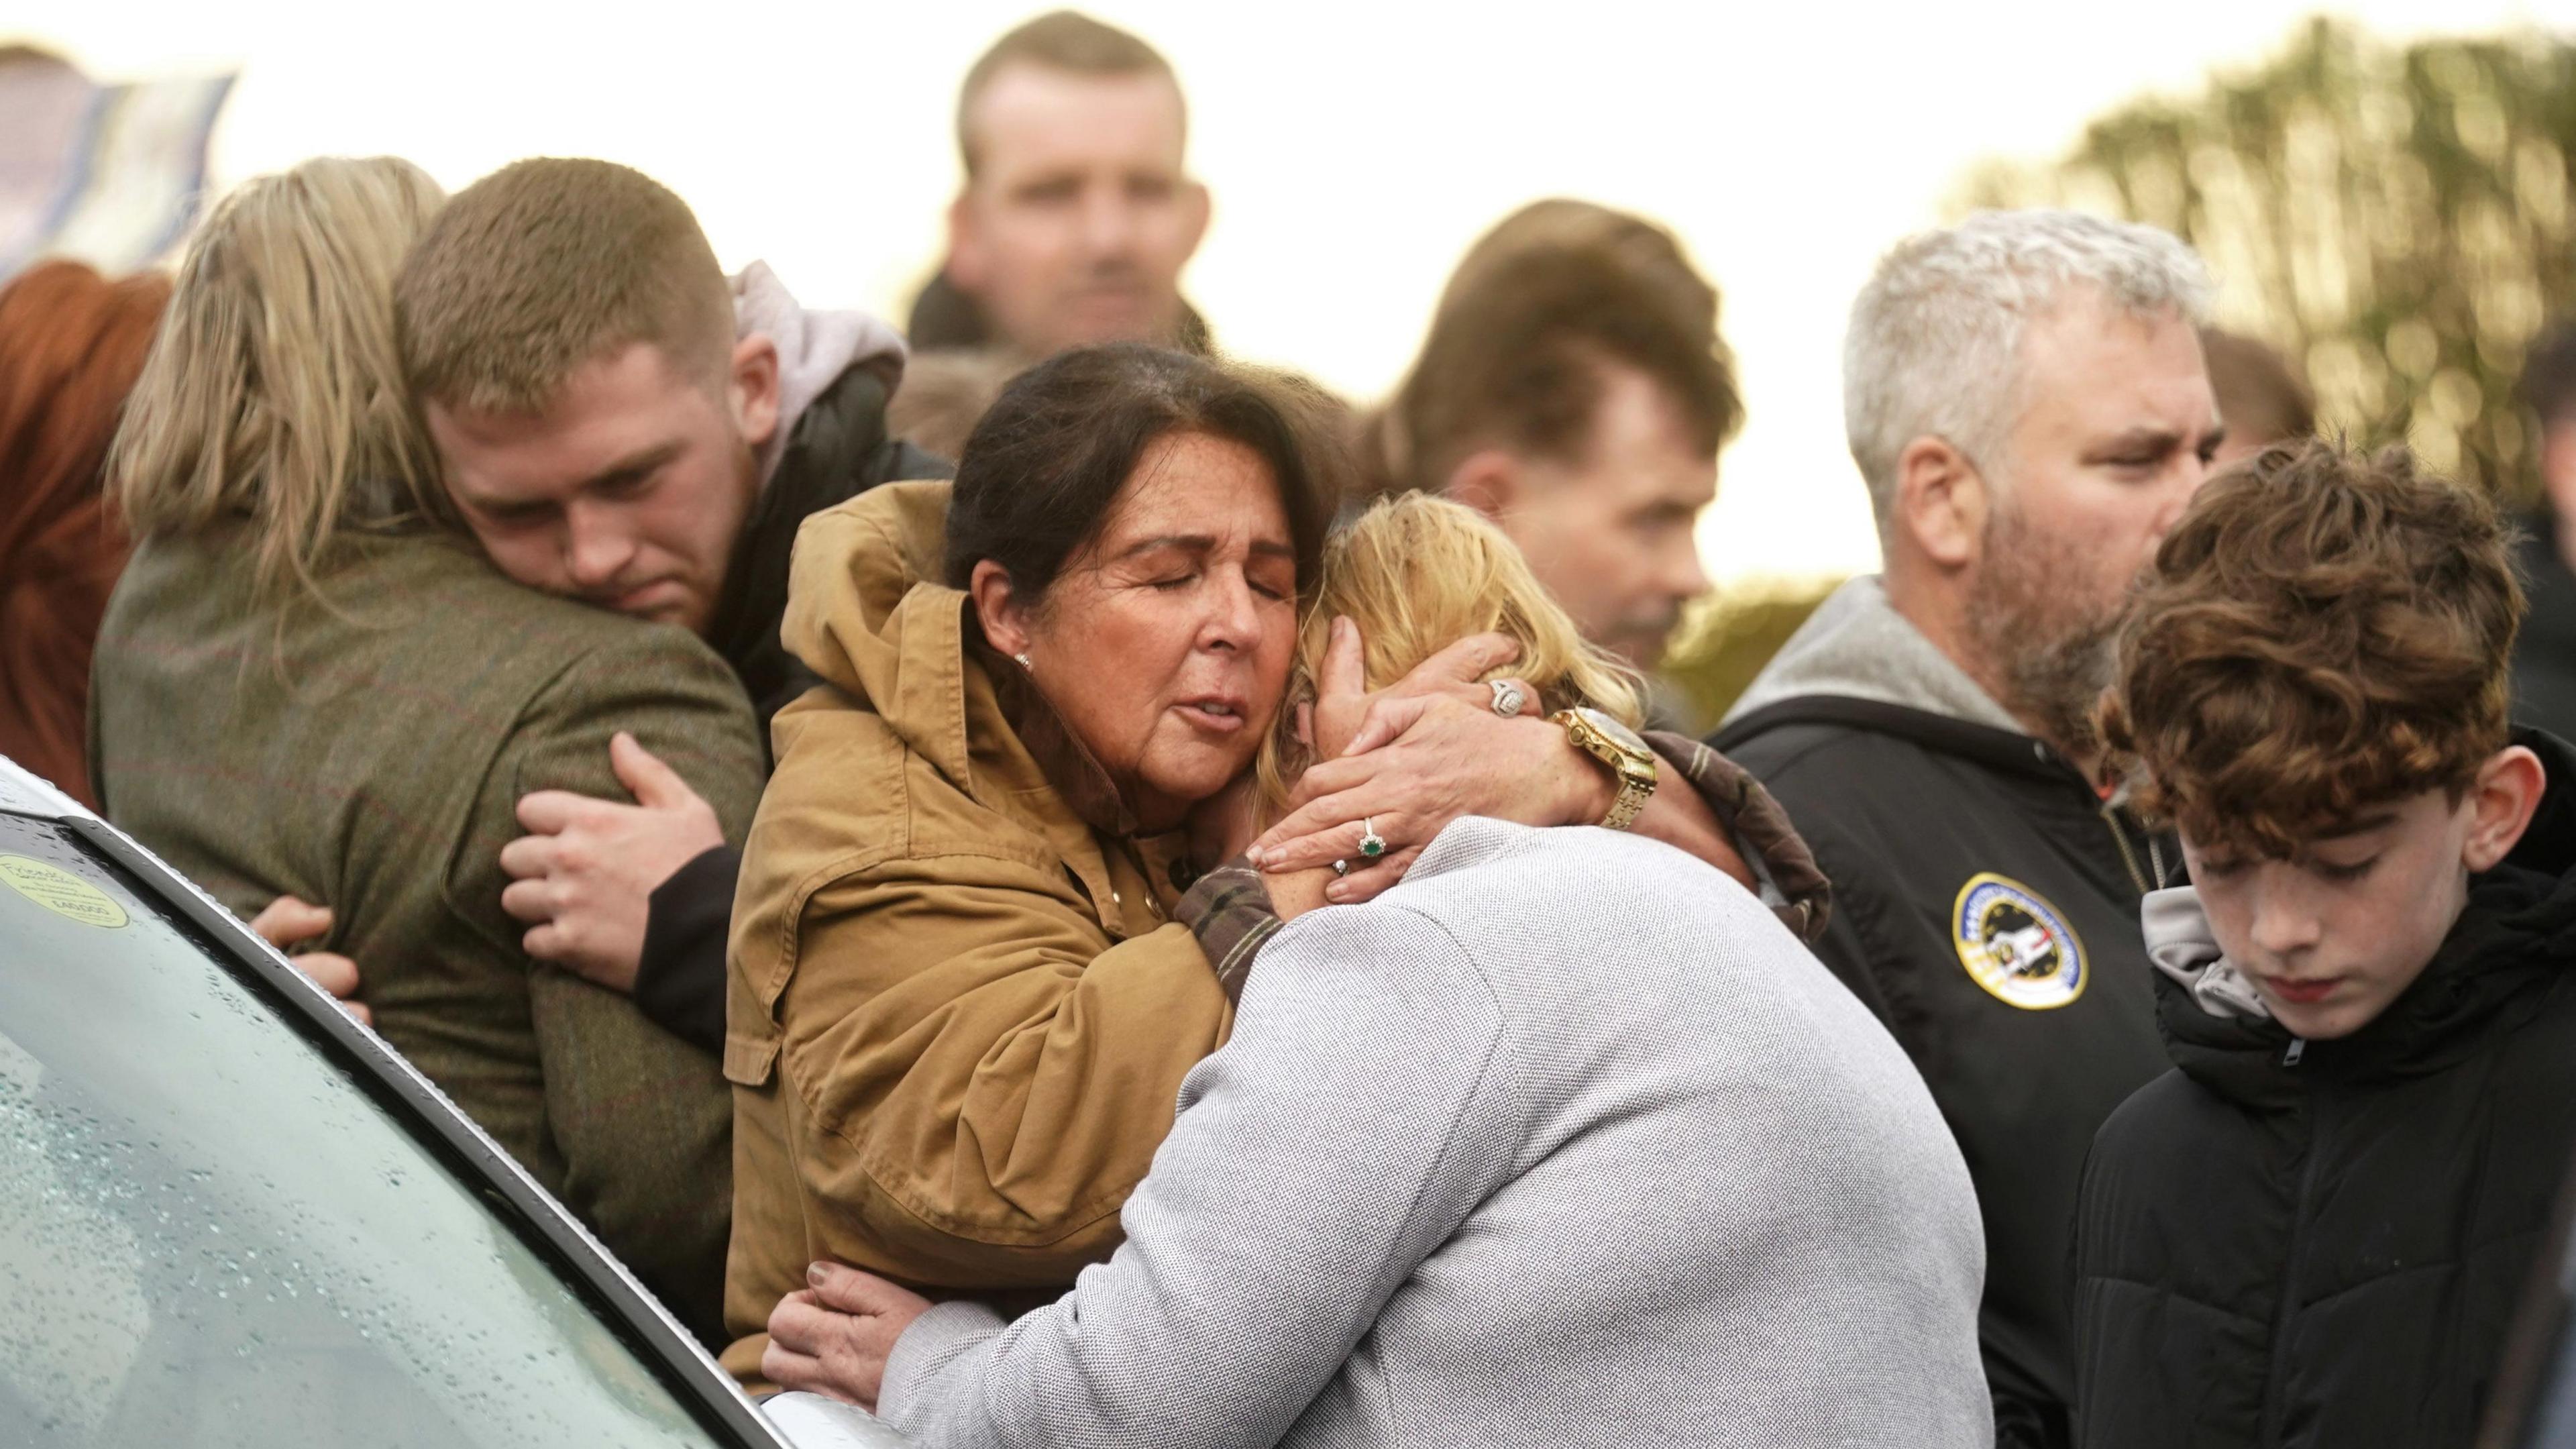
2544	654
1078	212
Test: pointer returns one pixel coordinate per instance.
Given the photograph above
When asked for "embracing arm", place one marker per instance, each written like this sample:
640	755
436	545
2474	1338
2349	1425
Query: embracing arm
1352	1125
1412	757
639	1117
973	1074
679	978
1427	760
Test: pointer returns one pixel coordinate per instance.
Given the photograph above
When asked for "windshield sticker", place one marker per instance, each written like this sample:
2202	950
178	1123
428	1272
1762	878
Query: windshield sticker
62	892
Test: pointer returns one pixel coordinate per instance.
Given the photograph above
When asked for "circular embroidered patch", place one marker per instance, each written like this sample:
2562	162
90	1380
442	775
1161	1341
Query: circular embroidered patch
2015	944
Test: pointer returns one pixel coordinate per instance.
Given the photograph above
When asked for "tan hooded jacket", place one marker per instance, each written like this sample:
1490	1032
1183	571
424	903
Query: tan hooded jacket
960	1008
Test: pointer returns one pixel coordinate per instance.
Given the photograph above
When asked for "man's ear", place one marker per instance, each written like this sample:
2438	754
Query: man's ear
1490	481
753	389
968	264
998	608
2502	800
1942	502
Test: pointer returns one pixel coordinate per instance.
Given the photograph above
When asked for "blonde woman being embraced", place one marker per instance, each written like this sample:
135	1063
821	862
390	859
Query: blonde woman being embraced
1563	1139
306	686
1374	622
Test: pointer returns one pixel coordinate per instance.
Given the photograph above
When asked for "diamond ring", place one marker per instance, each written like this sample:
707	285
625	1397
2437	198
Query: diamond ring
1508	697
1372	844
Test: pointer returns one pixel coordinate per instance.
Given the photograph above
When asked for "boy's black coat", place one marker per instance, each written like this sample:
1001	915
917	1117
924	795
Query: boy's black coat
2329	1252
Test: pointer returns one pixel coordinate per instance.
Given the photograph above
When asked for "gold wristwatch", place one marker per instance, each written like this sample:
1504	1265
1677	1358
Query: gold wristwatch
1619	747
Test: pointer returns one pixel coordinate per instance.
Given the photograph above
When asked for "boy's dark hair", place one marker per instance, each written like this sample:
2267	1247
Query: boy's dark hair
1063	40
1516	350
1043	466
2322	632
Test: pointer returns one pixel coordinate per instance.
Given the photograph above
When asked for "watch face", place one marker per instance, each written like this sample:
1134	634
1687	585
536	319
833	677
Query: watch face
1617	733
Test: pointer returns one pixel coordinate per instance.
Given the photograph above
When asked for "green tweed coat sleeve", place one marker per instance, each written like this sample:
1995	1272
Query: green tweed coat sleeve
640	1119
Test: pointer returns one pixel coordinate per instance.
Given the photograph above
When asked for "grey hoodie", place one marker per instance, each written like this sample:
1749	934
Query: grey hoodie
1856	646
1563	1141
814	348
2183	947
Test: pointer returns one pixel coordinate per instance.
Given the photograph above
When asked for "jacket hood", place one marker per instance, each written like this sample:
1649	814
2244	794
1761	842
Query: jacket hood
2185	950
867	613
2517	931
814	349
1856	646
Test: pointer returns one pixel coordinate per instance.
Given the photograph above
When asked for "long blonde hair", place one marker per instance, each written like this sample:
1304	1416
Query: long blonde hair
1418	573
274	391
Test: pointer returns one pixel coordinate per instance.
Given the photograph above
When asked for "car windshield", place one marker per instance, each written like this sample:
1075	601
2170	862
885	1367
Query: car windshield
215	1236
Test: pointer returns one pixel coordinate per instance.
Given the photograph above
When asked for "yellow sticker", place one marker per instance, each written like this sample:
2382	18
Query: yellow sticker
62	892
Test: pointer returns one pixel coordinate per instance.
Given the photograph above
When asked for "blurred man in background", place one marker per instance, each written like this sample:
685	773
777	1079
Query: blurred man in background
2026	399
2544	653
944	394
2261	396
1078	214
1574	388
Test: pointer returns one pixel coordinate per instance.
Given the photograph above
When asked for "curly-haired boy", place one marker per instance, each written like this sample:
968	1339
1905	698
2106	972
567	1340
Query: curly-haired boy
2315	1230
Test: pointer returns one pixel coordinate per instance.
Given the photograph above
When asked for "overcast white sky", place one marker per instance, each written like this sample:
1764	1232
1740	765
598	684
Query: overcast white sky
1355	149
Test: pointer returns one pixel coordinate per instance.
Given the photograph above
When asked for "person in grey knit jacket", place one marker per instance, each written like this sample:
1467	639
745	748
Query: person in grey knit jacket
1565	1139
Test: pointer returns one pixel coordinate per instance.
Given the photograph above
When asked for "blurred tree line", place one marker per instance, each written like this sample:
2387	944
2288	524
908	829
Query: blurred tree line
1726	639
2395	219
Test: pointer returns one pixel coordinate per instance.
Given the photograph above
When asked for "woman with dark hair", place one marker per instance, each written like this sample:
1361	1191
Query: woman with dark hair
982	932
71	344
1559	1080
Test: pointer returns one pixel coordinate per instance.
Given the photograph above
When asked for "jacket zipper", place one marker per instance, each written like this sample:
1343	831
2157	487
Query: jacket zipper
2128	857
2269	1431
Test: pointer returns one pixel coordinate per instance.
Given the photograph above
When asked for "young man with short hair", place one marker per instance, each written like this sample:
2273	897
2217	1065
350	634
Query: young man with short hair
1078	212
2315	1229
619	424
1574	389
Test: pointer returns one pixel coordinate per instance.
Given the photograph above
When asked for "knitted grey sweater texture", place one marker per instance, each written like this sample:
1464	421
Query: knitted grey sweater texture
1563	1141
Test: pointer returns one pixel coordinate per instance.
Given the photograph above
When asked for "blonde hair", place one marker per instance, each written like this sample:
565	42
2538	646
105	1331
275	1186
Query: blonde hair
274	391
1418	573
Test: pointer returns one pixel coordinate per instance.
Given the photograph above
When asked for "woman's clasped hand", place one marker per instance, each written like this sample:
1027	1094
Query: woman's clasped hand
1409	759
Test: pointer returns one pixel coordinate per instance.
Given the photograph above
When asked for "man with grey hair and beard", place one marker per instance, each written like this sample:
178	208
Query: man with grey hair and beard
2026	398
